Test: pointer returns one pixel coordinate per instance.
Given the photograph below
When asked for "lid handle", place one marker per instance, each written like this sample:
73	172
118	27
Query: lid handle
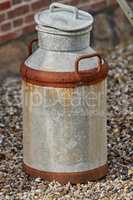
64	7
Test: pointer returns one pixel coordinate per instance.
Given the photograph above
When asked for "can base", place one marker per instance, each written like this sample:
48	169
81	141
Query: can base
72	177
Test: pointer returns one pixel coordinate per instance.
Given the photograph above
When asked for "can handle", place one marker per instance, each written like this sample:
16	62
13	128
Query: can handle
30	45
64	7
88	56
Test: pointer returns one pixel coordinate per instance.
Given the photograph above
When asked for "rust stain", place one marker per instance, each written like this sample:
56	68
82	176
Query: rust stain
64	79
52	93
68	94
27	116
73	177
31	92
30	87
98	87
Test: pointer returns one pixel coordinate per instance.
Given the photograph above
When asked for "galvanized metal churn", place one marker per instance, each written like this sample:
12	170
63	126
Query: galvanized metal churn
64	99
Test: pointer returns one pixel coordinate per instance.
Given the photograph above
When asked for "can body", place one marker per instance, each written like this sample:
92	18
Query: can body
65	130
64	107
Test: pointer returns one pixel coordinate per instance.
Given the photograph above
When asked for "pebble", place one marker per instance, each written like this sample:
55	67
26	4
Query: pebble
117	184
1	140
38	179
2	156
2	125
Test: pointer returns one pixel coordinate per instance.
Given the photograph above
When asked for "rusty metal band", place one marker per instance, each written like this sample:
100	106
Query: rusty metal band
64	79
73	177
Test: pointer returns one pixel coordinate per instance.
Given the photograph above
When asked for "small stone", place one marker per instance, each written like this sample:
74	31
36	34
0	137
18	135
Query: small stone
38	180
130	171
1	140
2	156
2	125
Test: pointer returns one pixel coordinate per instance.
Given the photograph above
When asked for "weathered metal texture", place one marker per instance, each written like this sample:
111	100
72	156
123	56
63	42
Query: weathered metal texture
63	28
64	132
64	42
64	107
74	178
65	18
67	79
57	61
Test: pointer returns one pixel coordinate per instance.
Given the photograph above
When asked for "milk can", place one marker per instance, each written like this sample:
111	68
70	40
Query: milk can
64	99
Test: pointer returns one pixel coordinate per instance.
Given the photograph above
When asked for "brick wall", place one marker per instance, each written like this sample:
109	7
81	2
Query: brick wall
16	16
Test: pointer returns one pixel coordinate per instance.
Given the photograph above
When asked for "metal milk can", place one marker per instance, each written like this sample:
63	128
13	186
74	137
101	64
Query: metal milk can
64	99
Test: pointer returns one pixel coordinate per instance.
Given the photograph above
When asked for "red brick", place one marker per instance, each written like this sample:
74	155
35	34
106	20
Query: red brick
70	2
18	11
28	29
5	5
18	22
29	18
39	4
6	26
2	17
7	37
96	6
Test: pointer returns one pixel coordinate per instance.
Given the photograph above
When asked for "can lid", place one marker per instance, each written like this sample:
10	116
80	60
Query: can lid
64	17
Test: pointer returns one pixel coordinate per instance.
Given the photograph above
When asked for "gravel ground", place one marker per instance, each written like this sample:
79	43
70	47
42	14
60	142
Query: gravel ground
118	184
